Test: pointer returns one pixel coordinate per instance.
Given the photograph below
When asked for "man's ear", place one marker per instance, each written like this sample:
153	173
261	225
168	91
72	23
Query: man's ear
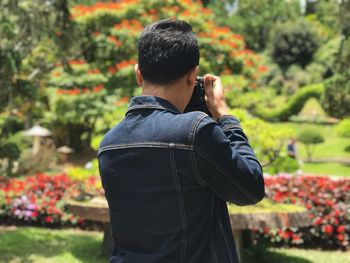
192	75
138	75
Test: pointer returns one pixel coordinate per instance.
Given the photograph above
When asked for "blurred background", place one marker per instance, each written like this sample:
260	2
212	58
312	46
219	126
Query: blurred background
66	77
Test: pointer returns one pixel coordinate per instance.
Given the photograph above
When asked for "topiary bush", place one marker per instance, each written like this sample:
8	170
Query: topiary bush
293	106
294	42
310	138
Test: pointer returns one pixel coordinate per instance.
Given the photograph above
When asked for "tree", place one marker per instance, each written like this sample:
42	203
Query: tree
310	138
294	42
336	99
34	35
255	20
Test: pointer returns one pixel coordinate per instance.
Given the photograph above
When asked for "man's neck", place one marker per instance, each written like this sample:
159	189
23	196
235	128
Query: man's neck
175	94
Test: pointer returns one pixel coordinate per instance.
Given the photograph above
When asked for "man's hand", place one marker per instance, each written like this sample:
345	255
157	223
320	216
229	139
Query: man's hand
214	96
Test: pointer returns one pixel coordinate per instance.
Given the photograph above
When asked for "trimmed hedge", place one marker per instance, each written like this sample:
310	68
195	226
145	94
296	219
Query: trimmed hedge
293	106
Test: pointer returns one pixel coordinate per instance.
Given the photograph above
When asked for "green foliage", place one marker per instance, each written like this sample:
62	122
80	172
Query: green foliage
293	106
294	42
33	37
241	114
347	149
283	163
72	119
267	141
325	57
310	138
255	20
112	30
336	99
327	12
343	128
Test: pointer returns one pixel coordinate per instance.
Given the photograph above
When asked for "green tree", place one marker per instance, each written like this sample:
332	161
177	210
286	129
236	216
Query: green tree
294	42
336	99
310	138
34	36
255	20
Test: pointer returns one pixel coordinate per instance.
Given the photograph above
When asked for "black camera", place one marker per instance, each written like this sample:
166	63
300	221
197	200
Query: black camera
197	102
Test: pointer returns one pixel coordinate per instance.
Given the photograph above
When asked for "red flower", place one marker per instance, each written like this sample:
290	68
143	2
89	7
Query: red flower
340	229
328	229
48	219
340	237
318	221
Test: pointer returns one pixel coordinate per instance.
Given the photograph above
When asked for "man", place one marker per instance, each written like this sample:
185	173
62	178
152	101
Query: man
167	175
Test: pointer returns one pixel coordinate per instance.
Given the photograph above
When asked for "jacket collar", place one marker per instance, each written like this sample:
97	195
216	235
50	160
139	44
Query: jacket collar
151	102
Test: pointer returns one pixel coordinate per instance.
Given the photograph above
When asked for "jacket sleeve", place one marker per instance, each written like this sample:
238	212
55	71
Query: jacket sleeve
226	163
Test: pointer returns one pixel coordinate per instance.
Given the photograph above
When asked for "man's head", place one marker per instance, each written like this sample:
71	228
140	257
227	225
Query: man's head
167	51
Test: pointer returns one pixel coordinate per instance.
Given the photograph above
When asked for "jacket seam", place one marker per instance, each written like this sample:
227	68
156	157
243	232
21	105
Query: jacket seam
229	127
195	169
225	238
213	253
150	107
212	246
144	145
194	128
230	178
181	206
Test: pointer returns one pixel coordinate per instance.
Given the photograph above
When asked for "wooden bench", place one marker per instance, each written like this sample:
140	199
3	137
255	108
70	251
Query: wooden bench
97	210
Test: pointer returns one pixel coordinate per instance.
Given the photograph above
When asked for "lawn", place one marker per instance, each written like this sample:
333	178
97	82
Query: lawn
333	146
40	245
294	255
265	206
336	169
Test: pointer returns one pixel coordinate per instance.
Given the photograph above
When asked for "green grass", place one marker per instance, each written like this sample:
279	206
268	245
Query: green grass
293	255
327	169
40	245
333	146
265	206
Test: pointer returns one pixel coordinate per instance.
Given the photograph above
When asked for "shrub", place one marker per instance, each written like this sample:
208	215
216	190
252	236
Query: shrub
294	42
310	138
293	106
343	128
283	163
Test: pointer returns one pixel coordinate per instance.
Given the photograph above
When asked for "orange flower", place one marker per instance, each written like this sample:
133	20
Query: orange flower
122	101
98	88
263	68
125	64
115	41
77	62
93	71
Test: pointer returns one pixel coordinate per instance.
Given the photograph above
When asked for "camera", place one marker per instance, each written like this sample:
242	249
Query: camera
197	102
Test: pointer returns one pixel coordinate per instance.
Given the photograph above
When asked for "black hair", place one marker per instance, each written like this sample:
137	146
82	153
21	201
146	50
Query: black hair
167	50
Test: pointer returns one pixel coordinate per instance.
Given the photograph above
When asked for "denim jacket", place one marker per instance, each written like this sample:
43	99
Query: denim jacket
167	177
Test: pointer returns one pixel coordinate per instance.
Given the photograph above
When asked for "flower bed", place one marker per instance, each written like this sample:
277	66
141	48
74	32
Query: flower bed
327	201
40	199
